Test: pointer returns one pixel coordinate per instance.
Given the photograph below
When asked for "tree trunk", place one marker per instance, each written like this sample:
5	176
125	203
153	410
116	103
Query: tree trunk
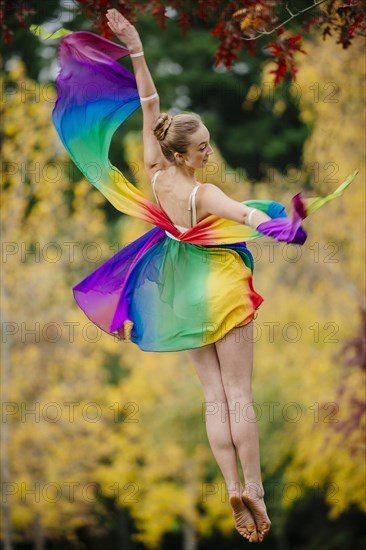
39	541
5	472
190	541
123	533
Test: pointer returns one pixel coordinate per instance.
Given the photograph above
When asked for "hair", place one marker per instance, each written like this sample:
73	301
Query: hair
173	132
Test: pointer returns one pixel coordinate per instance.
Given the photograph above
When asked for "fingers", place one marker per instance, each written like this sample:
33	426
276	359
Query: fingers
117	18
116	22
123	29
114	17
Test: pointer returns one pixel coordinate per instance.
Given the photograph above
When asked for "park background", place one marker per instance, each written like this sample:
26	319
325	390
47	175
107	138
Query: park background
104	446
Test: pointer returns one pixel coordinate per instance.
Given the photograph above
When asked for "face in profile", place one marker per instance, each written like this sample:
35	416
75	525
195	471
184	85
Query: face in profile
199	149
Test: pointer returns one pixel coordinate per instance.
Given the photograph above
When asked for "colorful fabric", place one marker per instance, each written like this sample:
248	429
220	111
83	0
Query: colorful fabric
176	293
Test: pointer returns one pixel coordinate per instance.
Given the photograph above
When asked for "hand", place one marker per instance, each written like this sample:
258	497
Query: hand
124	31
283	229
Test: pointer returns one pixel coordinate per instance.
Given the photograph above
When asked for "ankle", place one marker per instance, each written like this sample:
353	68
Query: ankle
254	489
234	489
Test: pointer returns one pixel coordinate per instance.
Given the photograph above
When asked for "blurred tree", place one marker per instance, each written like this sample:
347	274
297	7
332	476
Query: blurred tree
162	461
236	26
231	101
337	143
54	399
322	365
18	41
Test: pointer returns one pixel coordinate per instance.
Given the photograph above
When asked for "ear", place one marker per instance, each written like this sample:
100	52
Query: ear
178	156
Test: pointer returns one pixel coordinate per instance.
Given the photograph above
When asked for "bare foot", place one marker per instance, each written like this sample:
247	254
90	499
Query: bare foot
256	505
244	521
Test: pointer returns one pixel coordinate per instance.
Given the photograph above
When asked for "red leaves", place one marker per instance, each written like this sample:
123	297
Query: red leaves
280	71
284	49
285	46
229	42
184	23
345	19
95	11
237	24
159	13
8	36
7	11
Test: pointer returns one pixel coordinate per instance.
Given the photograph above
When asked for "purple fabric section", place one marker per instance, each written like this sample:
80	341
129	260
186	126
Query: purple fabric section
287	229
121	313
100	295
83	55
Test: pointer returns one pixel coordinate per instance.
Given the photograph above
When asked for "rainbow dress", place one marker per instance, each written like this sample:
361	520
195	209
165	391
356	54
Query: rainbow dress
168	290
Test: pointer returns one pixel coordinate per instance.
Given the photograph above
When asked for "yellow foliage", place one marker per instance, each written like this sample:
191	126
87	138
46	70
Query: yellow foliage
323	290
301	326
148	449
56	410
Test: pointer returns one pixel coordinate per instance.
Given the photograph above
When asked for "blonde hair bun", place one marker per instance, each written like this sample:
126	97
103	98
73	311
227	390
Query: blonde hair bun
162	125
177	140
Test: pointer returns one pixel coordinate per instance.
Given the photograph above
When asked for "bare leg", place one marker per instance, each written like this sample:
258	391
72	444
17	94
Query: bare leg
207	366
235	353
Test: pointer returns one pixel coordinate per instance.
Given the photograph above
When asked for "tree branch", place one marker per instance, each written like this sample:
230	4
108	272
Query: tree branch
293	15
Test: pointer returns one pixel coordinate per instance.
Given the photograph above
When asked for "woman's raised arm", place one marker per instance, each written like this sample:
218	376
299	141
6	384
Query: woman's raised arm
153	157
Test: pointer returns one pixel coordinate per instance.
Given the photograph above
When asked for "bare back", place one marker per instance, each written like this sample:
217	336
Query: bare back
178	198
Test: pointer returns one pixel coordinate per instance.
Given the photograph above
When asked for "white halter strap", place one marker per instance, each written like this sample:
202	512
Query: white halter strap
192	205
153	185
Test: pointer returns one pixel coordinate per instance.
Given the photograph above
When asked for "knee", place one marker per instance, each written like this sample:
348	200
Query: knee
215	408
238	395
215	395
242	408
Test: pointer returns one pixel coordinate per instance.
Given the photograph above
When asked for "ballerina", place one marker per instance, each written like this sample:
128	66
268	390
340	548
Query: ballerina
174	148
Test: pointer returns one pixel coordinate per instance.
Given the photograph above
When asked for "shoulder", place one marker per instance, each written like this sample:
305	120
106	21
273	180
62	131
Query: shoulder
212	196
211	187
207	195
208	190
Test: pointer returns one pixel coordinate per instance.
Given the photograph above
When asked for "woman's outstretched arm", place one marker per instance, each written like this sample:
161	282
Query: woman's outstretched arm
212	199
153	157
